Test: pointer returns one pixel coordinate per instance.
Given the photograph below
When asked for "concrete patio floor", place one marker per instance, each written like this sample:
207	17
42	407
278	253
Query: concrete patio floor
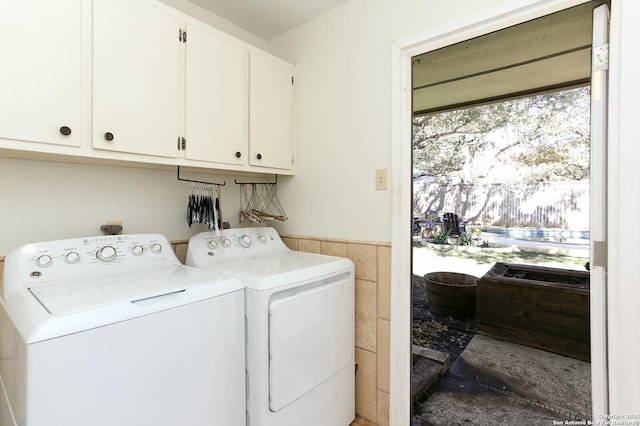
497	383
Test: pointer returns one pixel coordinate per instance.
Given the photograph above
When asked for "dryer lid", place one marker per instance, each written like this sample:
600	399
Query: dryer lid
284	268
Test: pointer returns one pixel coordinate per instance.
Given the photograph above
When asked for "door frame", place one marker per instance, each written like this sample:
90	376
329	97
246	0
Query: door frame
492	19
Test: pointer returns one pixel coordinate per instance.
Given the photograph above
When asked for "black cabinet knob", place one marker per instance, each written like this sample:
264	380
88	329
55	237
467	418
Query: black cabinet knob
259	156
65	130
108	136
238	154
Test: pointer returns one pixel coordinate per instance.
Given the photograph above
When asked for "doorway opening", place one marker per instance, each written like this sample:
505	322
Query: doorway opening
515	176
501	179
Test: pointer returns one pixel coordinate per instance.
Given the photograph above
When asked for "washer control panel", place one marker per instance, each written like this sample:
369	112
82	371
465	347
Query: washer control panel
44	262
234	244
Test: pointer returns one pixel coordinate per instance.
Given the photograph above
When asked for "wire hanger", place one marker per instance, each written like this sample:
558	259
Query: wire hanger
259	202
203	204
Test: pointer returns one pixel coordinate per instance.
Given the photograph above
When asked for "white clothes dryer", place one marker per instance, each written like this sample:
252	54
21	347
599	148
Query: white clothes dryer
113	330
300	310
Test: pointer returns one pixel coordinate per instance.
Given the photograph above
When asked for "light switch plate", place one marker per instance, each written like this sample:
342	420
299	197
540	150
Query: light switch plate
381	179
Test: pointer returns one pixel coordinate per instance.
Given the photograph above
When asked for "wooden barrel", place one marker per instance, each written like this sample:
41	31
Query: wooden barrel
451	293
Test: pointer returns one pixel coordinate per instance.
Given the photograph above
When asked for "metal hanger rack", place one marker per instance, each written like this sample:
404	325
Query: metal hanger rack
259	202
203	204
256	183
199	181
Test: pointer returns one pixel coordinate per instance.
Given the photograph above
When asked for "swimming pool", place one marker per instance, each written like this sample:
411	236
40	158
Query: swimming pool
563	236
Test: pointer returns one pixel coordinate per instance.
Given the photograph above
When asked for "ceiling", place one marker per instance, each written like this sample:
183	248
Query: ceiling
544	54
267	18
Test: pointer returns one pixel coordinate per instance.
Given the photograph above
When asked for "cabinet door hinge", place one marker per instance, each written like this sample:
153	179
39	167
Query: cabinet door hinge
182	35
600	57
600	254
182	143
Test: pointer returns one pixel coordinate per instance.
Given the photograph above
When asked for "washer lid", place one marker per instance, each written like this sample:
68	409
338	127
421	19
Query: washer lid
69	296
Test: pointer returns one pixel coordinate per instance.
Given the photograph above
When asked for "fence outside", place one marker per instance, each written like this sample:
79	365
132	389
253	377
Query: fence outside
563	205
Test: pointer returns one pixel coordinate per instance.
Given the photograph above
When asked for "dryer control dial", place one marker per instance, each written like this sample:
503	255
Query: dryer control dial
137	250
244	241
156	248
72	257
262	239
212	244
107	254
44	260
226	243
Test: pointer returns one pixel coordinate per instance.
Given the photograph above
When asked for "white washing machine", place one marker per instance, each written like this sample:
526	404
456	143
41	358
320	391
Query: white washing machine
300	310
113	330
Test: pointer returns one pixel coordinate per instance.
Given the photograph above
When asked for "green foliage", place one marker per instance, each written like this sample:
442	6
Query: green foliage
545	137
441	238
431	216
465	239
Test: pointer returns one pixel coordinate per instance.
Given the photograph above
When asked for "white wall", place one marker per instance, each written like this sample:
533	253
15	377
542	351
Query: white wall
42	201
343	107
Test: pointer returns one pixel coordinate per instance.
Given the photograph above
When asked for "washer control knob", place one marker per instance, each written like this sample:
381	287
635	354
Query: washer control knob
244	241
262	239
226	243
44	260
212	244
156	248
137	250
107	254
72	257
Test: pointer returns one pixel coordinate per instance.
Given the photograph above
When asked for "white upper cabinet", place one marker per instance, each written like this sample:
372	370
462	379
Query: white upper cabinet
270	112
138	81
41	71
215	98
136	76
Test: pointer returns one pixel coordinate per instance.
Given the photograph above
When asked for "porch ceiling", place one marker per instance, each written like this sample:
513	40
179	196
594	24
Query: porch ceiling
544	54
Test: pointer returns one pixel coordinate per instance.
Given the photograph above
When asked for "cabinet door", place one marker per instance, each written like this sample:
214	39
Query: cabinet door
136	74
216	100
40	75
270	113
